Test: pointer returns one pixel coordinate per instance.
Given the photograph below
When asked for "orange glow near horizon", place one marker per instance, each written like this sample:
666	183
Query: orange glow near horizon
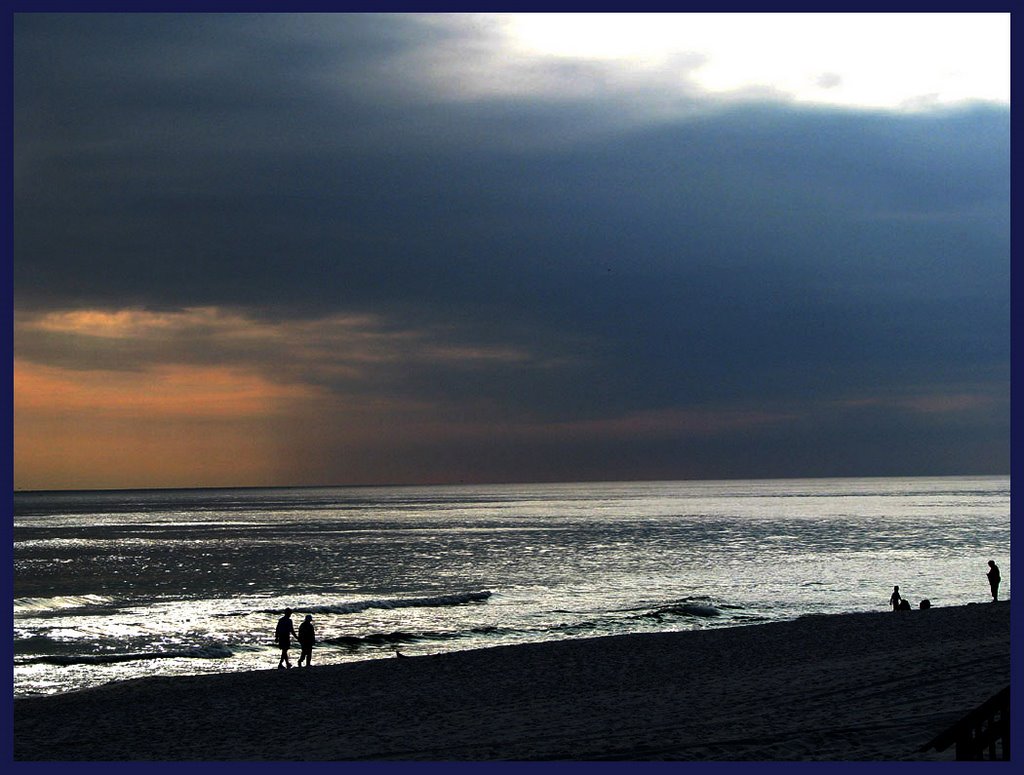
165	426
126	398
166	391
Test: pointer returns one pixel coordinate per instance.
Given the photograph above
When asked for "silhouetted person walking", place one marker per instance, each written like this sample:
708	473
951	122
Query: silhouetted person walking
894	599
993	579
285	629
307	637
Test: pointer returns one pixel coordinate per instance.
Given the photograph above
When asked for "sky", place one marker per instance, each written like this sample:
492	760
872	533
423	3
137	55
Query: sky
331	249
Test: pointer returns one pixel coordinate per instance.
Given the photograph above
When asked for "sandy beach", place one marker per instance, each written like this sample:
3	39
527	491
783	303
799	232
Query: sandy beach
865	686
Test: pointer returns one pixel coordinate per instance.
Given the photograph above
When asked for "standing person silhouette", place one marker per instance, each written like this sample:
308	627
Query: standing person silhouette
307	637
285	629
894	599
993	579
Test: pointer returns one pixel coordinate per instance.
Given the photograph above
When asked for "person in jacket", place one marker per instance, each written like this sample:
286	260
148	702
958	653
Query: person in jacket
993	579
307	637
285	629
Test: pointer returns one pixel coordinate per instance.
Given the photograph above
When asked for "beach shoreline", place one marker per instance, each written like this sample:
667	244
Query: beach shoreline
856	686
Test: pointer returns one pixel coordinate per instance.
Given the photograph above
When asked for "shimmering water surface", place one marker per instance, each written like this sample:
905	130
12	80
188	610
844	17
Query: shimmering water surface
116	585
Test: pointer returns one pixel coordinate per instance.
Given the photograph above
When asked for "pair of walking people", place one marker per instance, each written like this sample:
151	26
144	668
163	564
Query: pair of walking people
306	637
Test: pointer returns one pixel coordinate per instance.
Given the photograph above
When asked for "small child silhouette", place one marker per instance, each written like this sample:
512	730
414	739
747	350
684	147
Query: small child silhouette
895	598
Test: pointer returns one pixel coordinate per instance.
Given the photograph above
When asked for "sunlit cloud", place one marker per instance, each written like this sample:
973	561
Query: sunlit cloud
118	324
342	345
138	324
864	60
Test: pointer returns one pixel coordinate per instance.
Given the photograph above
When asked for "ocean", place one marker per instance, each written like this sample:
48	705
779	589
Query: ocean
116	585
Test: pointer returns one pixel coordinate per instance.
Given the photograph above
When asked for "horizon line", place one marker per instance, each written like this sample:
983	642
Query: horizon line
44	491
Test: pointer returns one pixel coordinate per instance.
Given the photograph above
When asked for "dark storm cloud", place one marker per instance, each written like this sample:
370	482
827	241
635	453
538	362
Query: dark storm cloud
290	167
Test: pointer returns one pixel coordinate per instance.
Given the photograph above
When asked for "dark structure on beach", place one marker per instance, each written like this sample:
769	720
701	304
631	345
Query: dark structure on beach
984	733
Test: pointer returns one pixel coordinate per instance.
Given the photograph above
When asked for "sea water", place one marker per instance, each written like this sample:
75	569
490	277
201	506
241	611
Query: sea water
116	585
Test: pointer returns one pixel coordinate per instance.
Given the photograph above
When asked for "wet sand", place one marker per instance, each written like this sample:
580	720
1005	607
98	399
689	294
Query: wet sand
866	686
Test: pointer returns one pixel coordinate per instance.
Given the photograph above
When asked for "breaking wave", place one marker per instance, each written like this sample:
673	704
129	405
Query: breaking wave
689	606
25	606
